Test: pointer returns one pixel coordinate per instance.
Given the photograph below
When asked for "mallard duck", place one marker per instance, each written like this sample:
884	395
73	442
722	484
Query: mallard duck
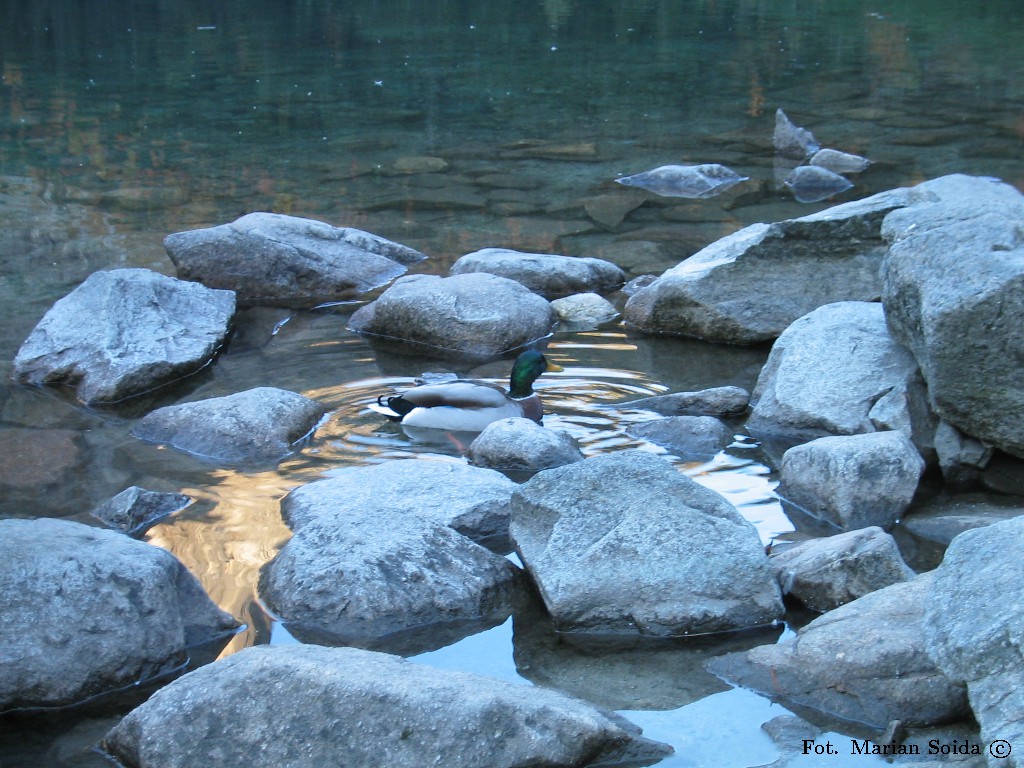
466	405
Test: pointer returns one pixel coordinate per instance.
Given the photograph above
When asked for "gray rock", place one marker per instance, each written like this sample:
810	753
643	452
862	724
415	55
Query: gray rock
257	426
584	310
474	501
863	662
88	610
724	402
271	258
685	435
852	481
475	315
135	510
974	626
750	286
304	706
624	543
961	457
792	141
946	518
124	332
837	371
828	572
522	444
376	553
953	290
547	274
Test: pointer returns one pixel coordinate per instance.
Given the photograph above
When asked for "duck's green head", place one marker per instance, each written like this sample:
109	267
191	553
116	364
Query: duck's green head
528	366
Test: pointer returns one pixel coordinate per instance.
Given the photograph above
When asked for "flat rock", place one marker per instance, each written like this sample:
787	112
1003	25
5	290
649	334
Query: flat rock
475	501
371	709
257	426
270	258
135	510
831	571
947	517
837	371
522	445
696	436
376	559
953	288
124	332
863	662
624	543
88	611
974	626
751	285
723	402
548	274
472	315
852	481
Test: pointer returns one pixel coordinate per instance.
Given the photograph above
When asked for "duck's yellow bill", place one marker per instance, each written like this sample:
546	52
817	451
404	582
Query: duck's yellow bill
553	367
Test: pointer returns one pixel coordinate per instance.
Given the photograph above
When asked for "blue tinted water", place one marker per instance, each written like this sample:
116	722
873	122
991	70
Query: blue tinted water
121	123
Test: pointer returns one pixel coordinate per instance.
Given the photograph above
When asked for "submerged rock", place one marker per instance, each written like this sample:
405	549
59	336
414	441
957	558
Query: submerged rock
953	291
383	556
307	707
88	611
945	518
974	625
852	481
271	258
124	332
837	371
828	572
135	510
474	315
522	445
547	274
694	181
863	662
689	436
750	286
257	426
624	543
812	183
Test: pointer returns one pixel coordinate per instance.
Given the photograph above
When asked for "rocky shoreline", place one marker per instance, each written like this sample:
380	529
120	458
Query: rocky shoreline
895	359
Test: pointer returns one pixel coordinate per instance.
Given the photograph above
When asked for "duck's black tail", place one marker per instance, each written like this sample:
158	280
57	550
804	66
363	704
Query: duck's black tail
398	404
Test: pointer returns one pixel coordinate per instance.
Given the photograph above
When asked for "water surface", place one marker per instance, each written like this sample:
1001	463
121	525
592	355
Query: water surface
121	123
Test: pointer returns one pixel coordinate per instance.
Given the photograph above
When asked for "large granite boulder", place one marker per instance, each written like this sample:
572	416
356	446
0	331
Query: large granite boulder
831	571
124	332
974	626
625	543
88	611
270	258
749	286
547	274
863	662
376	559
257	426
308	707
472	315
953	294
852	481
837	371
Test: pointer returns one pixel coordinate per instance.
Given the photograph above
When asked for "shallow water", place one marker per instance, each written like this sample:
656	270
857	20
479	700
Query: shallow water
117	128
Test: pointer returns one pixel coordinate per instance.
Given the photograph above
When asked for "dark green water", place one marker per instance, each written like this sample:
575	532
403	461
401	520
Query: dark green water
123	122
